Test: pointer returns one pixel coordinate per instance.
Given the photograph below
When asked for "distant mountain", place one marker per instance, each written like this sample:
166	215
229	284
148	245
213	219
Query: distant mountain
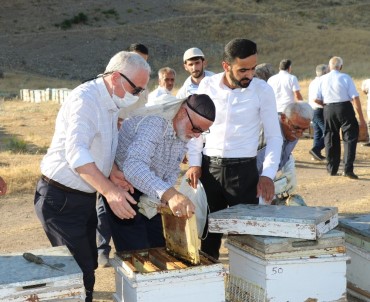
32	37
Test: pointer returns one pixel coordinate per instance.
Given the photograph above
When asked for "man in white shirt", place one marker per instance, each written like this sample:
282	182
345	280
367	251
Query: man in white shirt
285	85
318	115
80	158
194	63
365	87
166	82
227	164
338	93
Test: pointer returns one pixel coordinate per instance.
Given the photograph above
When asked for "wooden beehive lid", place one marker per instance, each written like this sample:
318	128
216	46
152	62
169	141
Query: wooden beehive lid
278	221
357	230
266	247
181	236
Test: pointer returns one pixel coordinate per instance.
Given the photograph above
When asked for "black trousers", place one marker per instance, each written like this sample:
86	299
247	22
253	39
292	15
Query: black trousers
227	183
70	219
340	116
137	233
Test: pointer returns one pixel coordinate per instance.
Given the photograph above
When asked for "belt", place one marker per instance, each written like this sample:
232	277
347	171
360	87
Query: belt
228	161
63	187
337	103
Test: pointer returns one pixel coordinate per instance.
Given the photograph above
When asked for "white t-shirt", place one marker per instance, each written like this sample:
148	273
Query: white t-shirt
284	85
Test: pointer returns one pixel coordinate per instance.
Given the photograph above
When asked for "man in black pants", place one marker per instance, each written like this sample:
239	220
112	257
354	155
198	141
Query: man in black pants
228	169
338	93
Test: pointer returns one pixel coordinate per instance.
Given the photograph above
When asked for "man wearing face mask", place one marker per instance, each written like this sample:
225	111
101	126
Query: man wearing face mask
80	159
227	165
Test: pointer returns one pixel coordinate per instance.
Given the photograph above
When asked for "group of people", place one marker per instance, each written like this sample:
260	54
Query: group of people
228	125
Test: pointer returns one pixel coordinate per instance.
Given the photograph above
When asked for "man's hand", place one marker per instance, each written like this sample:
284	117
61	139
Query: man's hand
179	204
119	201
266	189
193	174
118	178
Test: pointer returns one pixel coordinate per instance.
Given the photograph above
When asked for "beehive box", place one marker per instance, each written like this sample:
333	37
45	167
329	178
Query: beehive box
21	280
280	221
291	270
357	237
154	275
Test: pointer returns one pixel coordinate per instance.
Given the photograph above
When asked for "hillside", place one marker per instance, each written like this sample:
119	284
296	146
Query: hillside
306	31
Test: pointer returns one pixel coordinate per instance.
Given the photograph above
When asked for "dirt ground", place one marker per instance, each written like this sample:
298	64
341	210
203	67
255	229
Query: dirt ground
21	231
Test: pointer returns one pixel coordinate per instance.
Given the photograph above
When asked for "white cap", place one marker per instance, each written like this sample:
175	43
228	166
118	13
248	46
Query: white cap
192	53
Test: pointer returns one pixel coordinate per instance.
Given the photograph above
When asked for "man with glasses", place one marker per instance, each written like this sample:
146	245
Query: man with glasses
166	82
227	165
80	158
151	146
295	119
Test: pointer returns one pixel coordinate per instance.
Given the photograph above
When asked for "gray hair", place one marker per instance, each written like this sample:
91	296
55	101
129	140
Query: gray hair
301	109
264	71
335	63
128	63
321	69
165	70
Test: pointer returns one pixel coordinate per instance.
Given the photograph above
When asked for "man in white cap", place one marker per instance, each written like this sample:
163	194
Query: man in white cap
194	63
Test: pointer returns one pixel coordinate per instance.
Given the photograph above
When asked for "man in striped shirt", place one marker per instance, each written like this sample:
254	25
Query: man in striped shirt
150	150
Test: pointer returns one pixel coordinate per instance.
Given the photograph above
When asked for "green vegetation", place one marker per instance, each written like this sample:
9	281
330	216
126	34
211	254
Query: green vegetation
16	145
81	18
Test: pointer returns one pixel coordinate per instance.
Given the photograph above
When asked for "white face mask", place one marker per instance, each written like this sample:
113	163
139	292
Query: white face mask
126	101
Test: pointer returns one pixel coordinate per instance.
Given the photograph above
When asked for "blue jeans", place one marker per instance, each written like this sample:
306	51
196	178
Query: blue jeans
319	130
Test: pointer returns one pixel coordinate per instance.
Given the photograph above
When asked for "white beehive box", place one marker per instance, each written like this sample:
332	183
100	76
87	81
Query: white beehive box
280	221
357	236
153	275
291	270
21	280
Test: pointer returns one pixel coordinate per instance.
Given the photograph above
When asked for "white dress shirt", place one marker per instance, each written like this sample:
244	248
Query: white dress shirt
284	85
365	86
156	95
312	93
336	87
85	132
239	115
190	88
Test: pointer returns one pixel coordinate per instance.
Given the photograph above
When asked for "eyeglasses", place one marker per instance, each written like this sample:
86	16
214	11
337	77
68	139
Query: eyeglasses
137	90
295	127
196	129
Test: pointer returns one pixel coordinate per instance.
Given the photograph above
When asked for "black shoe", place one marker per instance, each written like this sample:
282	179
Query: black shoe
316	155
350	175
334	174
366	144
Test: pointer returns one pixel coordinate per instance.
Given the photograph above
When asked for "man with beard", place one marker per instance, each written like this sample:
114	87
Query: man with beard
227	166
151	146
194	63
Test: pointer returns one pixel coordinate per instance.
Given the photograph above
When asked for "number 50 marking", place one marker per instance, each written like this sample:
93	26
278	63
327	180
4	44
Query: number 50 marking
277	270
